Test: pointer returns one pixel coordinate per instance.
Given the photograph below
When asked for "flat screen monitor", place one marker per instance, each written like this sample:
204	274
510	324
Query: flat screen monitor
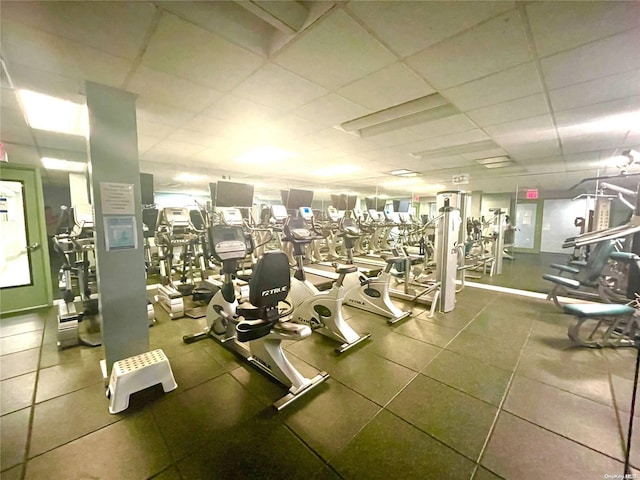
339	202
370	203
381	205
299	198
233	194
284	195
146	189
403	206
351	202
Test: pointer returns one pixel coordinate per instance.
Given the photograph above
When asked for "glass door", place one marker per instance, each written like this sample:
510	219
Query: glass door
527	227
24	257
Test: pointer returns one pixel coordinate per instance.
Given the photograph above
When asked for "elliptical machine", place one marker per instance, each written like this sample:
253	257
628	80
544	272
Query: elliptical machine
369	293
262	325
322	311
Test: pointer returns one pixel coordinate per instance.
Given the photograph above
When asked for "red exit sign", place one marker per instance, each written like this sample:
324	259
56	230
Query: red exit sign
532	194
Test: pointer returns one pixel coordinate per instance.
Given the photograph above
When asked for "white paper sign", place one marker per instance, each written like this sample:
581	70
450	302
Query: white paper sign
117	198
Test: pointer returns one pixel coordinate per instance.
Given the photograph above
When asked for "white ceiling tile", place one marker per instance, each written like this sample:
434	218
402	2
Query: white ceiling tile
459	138
47	82
488	48
172	148
598	59
408	27
595	91
9	101
616	115
195	138
117	28
592	141
395	137
517	82
331	110
508	111
443	126
27	46
170	90
278	88
386	88
521	150
14	128
558	26
297	126
539	127
60	141
160	113
227	19
24	154
145	143
238	110
188	51
488	153
147	128
319	53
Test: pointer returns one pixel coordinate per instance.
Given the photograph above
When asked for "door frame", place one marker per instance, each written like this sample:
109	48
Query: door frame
34	212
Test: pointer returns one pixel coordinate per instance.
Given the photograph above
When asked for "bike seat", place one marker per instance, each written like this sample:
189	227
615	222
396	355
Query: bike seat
342	269
248	330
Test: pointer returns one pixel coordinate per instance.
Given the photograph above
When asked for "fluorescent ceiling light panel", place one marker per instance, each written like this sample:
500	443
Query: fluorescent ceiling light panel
403	173
337	170
421	110
485	161
456	149
498	164
61	164
53	114
265	154
189	178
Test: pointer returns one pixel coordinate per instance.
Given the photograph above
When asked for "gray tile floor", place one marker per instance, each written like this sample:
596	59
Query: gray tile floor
494	389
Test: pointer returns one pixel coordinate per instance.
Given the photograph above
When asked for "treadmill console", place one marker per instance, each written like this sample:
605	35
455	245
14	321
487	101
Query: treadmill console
232	216
333	214
279	213
306	213
228	242
175	217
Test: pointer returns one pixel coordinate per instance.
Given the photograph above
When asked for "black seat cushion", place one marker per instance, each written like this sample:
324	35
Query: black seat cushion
270	281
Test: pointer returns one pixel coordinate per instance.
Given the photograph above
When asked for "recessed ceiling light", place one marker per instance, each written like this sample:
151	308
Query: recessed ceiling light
61	164
402	171
336	170
265	154
53	114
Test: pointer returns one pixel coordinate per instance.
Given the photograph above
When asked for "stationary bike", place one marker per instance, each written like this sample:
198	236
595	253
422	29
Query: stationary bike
261	326
369	293
322	311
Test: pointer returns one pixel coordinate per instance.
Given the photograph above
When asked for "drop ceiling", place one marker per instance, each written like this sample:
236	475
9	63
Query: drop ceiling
555	86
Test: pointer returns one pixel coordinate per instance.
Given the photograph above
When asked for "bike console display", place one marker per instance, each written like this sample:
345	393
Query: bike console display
228	242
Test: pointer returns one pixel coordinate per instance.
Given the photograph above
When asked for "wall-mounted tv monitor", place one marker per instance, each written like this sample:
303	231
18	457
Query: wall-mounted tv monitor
339	202
233	194
351	202
403	206
299	198
284	195
146	189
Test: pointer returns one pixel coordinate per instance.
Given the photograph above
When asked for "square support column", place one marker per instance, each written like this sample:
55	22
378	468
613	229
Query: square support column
115	192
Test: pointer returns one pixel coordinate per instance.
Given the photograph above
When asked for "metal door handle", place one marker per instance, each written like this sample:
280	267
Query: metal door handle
33	246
